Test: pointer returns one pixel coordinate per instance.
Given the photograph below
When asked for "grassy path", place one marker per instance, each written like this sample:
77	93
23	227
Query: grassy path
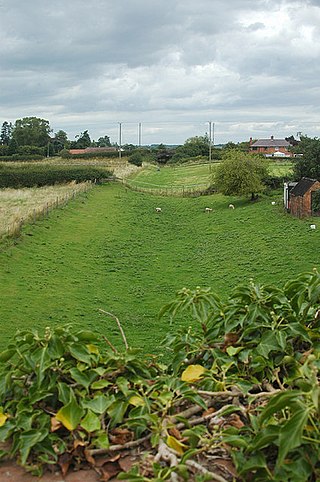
109	249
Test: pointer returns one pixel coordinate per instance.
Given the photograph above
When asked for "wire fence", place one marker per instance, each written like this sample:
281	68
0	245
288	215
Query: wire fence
190	190
13	228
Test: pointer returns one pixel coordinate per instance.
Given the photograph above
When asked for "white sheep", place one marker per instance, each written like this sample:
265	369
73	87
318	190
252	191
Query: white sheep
158	210
312	226
208	210
273	203
231	206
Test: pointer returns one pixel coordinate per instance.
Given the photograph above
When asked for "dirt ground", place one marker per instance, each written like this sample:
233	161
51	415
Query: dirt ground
10	472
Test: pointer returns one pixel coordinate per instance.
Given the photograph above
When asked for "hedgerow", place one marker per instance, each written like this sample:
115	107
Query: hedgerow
239	399
36	175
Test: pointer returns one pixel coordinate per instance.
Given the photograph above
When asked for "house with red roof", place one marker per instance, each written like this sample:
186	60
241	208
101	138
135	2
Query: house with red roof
271	147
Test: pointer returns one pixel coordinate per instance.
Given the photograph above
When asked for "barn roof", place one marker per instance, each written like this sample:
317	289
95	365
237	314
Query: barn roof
302	186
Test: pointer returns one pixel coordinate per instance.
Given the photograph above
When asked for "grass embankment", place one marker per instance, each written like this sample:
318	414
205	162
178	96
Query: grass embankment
184	177
109	249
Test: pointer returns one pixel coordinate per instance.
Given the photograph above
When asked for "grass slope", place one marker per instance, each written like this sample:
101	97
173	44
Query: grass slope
109	249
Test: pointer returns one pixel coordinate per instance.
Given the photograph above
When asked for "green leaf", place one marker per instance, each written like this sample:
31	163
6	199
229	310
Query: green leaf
233	350
123	385
84	378
55	348
7	354
65	392
280	401
116	411
257	461
102	441
98	404
70	415
91	422
99	384
267	344
291	434
266	437
28	439
235	441
80	352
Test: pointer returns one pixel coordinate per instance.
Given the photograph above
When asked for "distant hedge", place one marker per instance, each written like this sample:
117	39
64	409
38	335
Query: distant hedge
31	176
91	155
22	157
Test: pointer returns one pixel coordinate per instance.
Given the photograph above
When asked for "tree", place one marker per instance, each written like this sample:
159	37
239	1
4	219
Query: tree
31	131
60	141
103	142
240	174
308	165
193	147
6	132
83	141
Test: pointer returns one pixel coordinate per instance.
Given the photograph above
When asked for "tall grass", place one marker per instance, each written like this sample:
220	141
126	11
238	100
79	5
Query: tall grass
18	206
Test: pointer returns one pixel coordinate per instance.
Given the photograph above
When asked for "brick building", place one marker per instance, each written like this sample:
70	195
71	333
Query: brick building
271	147
304	199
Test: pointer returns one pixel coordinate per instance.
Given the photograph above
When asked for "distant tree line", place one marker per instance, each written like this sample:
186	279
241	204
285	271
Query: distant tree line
33	136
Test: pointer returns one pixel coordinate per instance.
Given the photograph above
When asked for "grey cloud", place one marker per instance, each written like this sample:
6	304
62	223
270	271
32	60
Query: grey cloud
159	60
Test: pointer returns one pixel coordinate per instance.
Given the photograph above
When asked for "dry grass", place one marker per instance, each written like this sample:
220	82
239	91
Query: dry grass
18	206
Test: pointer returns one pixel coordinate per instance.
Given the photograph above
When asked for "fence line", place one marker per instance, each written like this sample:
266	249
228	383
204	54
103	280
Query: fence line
184	191
43	211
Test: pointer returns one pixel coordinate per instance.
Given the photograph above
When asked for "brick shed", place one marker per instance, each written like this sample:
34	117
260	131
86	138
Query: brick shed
305	198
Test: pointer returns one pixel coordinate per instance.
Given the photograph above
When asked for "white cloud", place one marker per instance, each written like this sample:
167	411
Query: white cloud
90	65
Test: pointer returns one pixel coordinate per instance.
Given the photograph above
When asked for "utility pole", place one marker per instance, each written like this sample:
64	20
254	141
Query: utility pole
120	139
139	134
210	140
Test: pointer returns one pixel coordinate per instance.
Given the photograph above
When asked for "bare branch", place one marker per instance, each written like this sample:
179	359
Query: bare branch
119	326
202	470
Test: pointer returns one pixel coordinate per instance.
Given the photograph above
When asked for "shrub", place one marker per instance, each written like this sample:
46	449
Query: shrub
30	175
243	384
136	159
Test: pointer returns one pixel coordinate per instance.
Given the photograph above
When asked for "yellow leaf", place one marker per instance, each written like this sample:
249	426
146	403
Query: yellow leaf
174	444
3	419
136	401
93	349
193	373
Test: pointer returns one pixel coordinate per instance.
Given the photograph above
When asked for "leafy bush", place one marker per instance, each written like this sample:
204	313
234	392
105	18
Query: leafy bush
22	157
30	175
136	159
242	388
276	182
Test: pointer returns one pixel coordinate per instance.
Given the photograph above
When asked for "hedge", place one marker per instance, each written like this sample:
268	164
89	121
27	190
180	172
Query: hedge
30	176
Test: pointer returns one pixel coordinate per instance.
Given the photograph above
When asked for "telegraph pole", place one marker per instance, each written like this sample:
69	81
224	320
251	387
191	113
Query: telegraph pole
210	140
120	139
139	134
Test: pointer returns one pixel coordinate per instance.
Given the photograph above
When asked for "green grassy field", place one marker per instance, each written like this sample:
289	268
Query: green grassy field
108	249
189	175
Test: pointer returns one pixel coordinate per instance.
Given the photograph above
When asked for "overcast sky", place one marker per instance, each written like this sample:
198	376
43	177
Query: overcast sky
251	67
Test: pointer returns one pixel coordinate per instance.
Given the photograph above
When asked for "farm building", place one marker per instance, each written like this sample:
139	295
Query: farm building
271	147
92	150
303	200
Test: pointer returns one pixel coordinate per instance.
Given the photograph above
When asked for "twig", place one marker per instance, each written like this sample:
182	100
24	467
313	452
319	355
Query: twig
119	326
264	394
199	420
225	394
195	465
110	344
116	447
190	411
